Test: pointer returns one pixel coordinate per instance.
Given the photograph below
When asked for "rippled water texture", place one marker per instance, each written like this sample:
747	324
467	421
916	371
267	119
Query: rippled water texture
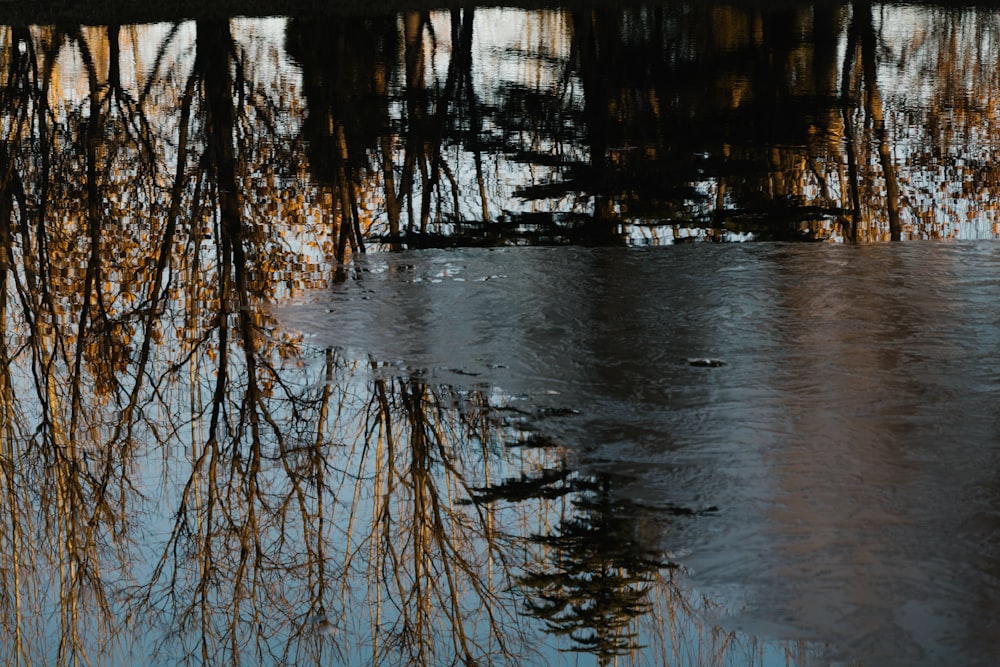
518	427
842	463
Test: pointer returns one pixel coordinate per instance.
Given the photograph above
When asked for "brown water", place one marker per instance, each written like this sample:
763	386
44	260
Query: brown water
403	338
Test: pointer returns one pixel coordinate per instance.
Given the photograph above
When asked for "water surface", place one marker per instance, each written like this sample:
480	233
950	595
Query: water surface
835	475
404	337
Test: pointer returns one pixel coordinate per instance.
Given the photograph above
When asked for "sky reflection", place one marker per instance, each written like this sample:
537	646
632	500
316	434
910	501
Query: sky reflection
281	383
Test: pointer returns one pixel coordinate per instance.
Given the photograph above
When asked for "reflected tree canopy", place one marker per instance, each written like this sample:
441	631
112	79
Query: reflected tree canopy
598	576
181	475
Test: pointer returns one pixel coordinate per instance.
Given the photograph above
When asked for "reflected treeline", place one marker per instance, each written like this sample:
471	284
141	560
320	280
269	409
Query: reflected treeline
379	123
345	77
647	125
477	127
179	475
115	279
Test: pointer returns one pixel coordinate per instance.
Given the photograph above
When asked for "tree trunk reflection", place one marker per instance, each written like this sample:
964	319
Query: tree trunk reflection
178	471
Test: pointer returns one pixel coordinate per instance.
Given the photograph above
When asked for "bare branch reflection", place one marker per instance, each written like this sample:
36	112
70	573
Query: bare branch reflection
180	474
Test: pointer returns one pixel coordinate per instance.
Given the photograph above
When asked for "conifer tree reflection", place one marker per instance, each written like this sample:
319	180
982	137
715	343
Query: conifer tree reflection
600	579
593	579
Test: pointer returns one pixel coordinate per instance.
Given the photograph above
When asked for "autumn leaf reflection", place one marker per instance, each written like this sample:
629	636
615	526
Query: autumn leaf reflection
65	533
84	309
175	470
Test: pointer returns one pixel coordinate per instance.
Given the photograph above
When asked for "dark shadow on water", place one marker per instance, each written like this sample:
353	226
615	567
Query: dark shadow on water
594	582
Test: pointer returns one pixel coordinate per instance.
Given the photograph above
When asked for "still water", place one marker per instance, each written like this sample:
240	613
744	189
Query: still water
496	336
833	479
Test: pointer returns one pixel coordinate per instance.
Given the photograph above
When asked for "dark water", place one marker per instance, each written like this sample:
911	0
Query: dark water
836	476
502	336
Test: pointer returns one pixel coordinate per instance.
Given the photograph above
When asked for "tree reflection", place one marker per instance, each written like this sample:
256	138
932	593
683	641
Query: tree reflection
171	463
357	145
600	578
650	124
64	529
435	564
593	578
599	583
80	295
596	574
224	558
861	45
346	69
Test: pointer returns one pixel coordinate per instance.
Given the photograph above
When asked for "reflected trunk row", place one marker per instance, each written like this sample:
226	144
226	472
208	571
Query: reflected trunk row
475	127
170	469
